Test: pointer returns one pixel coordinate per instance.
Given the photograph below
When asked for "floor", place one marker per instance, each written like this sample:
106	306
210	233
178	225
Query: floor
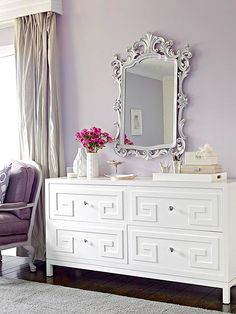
149	289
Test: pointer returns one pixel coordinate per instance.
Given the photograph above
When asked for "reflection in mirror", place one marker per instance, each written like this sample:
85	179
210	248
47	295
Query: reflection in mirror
150	102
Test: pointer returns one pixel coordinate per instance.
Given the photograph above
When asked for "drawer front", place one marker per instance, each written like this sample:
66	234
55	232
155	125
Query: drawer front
85	204
177	253
86	243
189	209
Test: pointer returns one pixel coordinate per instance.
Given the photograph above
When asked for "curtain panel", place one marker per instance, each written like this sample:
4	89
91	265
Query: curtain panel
38	102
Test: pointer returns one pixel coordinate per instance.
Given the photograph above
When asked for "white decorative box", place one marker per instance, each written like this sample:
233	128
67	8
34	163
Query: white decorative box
193	158
205	155
190	177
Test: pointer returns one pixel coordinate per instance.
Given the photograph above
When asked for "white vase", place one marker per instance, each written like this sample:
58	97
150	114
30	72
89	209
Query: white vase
92	165
79	164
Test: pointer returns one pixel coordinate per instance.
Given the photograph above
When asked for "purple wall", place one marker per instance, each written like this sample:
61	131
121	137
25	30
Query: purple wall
91	32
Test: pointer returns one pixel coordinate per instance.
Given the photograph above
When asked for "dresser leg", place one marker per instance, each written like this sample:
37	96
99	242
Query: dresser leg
49	269
226	294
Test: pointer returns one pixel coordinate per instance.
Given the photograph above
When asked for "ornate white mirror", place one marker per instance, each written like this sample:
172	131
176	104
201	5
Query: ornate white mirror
151	100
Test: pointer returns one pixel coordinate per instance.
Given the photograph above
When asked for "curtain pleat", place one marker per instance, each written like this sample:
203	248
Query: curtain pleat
38	103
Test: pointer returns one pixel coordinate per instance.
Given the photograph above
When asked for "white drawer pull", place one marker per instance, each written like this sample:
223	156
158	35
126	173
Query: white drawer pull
171	249
171	208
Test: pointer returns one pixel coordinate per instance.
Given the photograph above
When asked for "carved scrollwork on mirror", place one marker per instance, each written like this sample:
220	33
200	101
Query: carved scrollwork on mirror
151	99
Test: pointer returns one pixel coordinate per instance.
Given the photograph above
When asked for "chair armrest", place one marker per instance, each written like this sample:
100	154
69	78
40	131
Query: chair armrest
14	206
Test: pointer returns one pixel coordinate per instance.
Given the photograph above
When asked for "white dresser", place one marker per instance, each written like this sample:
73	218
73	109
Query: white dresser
177	231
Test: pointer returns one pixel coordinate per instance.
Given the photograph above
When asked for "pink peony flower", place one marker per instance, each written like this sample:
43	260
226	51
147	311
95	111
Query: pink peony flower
93	139
127	141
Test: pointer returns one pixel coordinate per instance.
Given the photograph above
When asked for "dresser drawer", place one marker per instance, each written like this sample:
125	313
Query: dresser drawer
85	242
189	209
183	253
78	203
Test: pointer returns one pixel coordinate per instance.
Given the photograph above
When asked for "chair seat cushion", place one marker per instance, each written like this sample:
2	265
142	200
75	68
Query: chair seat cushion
4	240
12	225
20	187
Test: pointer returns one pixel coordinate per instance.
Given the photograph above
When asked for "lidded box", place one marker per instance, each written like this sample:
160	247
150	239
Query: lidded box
204	156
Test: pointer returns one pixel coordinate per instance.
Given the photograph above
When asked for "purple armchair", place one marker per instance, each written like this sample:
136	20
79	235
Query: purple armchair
17	214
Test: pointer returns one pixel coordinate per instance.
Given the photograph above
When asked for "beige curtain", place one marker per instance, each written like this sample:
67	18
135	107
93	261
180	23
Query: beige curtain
38	97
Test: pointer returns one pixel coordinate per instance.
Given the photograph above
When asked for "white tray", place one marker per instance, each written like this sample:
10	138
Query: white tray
190	177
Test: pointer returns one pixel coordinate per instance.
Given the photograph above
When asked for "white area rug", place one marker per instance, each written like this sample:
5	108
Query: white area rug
20	296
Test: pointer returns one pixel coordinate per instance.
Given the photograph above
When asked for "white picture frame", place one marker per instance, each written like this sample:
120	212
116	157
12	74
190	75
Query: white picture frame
136	122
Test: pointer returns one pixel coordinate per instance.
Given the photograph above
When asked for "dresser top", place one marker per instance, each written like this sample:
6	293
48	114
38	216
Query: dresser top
140	181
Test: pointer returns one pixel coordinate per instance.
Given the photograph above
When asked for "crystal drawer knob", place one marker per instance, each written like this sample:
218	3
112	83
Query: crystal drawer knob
171	249
85	241
85	203
171	208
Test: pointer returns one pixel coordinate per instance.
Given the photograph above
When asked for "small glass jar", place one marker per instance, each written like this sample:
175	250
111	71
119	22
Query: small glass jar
70	172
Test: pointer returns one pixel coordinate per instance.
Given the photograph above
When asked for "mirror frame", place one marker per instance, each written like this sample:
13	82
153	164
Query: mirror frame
151	46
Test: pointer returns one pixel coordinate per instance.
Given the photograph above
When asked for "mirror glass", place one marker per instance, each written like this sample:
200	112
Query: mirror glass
149	98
